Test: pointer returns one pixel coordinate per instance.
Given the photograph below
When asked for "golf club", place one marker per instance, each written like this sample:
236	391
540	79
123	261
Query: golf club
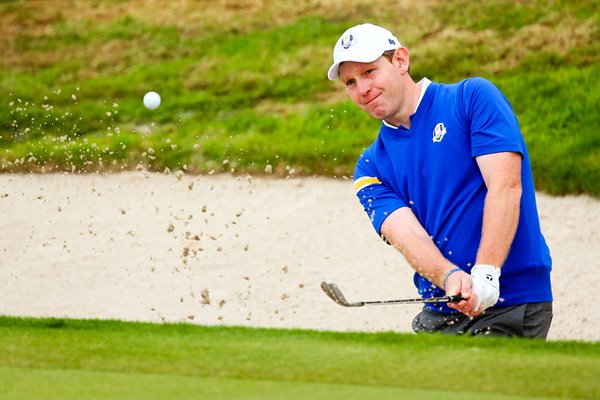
333	291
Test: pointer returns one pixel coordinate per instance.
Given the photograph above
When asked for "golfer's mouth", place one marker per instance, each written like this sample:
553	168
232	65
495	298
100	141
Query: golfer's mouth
370	101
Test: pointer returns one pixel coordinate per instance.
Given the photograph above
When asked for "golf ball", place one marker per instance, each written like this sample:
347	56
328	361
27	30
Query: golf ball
152	100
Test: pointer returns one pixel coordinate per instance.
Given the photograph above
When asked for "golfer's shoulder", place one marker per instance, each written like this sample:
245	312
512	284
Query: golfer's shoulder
472	91
476	85
367	157
366	163
471	84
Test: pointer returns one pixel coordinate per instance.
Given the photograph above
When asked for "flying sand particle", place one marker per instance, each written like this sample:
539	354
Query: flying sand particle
205	296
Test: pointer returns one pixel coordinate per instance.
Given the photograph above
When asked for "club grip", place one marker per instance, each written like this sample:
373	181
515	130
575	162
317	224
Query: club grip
455	299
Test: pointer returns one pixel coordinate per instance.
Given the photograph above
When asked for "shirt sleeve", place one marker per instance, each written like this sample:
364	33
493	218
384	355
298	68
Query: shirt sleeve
377	199
493	124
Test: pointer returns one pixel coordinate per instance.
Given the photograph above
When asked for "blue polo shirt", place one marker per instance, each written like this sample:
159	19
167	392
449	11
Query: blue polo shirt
431	168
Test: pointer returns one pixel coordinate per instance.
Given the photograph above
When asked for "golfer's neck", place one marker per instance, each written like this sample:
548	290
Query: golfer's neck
413	93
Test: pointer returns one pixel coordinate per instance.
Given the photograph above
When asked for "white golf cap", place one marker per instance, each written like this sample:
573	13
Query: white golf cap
361	43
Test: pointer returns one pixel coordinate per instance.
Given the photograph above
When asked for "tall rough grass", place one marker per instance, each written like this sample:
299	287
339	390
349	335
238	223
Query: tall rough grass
244	87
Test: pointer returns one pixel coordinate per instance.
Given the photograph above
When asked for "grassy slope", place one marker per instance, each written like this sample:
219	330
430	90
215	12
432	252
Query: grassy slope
244	85
280	362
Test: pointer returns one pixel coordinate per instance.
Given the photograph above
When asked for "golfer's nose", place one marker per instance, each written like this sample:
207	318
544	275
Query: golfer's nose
364	86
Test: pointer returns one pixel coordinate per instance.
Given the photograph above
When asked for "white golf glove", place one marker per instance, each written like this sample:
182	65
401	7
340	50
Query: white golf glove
486	285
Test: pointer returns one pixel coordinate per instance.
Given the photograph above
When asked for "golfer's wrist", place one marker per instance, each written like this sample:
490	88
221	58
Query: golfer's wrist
447	275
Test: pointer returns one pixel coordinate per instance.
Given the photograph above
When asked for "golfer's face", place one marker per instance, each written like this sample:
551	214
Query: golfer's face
371	86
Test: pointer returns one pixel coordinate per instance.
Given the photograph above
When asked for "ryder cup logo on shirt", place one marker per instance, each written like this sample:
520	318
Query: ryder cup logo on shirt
439	132
347	41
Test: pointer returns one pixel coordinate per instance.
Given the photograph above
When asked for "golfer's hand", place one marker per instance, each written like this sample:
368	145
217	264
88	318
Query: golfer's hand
486	285
480	290
462	283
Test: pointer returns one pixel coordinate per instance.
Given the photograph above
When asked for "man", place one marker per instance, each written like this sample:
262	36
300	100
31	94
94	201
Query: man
448	183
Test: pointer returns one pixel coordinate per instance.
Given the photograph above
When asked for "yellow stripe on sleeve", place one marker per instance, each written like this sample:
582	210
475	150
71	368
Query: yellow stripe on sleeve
365	181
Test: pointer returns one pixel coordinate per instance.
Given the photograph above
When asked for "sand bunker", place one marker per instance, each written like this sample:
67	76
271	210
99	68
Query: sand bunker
223	250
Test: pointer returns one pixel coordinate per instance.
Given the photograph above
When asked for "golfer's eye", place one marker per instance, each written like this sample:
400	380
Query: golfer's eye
369	71
350	82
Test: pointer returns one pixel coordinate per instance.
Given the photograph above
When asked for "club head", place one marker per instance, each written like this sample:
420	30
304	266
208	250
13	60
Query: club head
335	294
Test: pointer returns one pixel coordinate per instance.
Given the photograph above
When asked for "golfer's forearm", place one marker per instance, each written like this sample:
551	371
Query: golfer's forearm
500	220
425	258
403	231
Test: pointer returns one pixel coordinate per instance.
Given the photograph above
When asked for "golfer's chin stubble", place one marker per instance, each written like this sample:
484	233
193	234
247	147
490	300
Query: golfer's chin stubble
376	112
377	108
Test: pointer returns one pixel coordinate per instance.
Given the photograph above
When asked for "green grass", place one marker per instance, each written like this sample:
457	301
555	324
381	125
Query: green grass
74	384
243	83
58	358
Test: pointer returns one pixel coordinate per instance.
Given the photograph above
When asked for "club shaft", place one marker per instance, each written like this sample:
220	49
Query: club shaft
334	292
445	299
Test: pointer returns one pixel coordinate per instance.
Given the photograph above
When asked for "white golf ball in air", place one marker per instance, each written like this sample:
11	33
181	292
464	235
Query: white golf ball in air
152	100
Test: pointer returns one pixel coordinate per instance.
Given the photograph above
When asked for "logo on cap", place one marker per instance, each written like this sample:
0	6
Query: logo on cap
347	41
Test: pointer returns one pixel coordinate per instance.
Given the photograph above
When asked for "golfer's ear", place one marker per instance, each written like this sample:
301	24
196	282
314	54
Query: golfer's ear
402	58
